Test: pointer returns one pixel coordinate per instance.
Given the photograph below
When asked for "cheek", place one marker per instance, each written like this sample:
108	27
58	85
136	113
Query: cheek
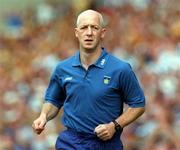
79	36
80	39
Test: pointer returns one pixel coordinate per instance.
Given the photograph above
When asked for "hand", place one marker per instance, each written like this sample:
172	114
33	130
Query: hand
39	124
105	131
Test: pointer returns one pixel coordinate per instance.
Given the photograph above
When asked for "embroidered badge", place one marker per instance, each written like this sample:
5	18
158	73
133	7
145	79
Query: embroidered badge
107	79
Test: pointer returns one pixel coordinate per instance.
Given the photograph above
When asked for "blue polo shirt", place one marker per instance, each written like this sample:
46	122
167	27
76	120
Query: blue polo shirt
94	96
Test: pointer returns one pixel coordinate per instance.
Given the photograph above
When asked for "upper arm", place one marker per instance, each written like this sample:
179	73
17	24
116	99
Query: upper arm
133	94
54	93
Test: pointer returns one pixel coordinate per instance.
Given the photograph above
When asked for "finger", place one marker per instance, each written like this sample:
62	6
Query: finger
100	129
105	138
95	130
99	126
102	134
36	125
41	125
38	131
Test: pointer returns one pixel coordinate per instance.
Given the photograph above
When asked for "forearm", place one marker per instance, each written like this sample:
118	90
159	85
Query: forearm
49	111
130	115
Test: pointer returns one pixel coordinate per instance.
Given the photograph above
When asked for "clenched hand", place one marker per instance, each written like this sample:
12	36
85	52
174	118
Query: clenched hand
105	131
39	124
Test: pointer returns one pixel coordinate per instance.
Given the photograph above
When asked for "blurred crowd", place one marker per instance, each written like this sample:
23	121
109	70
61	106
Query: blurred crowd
146	33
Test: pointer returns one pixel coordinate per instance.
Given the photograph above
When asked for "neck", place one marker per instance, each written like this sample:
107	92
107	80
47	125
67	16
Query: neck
88	58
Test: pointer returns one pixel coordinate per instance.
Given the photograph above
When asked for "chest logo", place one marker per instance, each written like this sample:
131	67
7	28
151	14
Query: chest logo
107	79
68	78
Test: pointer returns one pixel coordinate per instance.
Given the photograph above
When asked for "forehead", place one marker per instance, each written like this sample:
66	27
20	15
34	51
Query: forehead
89	19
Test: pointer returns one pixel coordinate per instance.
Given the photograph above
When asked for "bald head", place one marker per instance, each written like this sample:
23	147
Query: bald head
87	13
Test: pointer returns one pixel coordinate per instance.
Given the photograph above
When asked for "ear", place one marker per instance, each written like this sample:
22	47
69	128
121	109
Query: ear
76	32
103	32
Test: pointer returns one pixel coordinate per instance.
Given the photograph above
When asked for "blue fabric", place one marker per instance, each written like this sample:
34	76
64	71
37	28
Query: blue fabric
94	96
72	140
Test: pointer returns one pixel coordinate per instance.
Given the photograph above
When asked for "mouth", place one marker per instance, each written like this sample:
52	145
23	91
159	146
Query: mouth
88	40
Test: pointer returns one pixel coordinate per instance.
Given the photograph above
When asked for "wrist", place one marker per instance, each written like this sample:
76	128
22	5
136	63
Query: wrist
112	126
44	116
117	126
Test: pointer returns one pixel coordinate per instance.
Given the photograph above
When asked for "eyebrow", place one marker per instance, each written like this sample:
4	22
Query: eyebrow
92	25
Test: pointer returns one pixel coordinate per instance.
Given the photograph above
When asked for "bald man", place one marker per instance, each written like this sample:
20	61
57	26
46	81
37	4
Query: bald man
92	87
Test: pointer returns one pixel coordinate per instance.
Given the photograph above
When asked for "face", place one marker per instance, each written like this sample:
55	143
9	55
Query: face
89	32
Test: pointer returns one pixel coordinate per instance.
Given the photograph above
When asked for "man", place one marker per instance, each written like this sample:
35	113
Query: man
92	87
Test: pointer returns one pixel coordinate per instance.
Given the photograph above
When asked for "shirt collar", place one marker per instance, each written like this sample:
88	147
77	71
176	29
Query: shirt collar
76	60
99	63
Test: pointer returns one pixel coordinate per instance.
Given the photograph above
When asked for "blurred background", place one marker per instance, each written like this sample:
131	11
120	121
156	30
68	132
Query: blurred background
35	35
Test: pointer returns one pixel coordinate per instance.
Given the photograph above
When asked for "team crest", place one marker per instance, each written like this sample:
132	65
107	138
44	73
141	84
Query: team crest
107	79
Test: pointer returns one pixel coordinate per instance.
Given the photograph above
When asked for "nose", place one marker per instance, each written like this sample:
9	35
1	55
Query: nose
89	31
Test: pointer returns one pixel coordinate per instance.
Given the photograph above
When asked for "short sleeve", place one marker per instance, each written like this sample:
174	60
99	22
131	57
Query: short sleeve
54	93
132	93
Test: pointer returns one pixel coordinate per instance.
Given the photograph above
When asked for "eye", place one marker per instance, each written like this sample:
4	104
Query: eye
83	27
96	27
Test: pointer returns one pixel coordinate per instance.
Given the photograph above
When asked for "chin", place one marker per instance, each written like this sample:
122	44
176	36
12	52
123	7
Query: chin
89	49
